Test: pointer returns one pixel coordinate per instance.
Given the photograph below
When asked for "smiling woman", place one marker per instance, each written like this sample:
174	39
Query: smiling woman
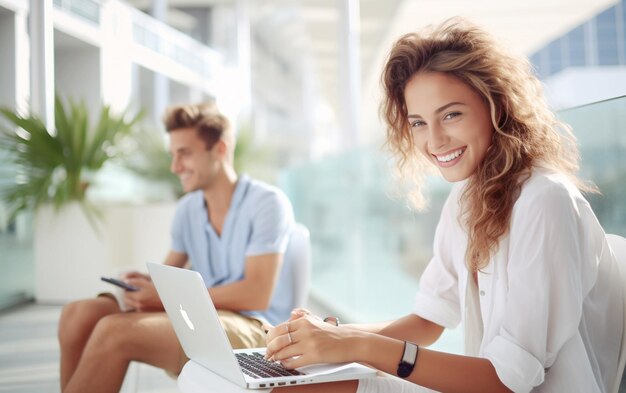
519	256
450	123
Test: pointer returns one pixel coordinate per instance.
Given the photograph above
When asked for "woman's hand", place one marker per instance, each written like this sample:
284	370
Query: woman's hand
297	313
309	340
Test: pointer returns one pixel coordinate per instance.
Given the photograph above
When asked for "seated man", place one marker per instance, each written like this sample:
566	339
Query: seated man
233	230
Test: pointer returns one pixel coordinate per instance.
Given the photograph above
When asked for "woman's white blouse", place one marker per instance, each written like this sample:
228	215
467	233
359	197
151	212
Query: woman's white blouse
548	309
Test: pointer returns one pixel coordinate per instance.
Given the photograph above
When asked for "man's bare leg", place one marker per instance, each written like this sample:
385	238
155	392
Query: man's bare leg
118	339
76	324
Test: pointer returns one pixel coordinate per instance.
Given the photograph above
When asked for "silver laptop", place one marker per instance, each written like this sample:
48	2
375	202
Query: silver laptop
197	325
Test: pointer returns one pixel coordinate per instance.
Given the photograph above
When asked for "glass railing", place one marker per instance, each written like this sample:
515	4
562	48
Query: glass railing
88	10
154	35
176	46
17	268
369	250
599	128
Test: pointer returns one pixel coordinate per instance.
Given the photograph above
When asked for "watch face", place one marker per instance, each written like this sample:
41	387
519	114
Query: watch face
404	369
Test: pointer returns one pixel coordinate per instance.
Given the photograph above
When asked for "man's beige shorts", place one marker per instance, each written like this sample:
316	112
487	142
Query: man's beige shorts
242	331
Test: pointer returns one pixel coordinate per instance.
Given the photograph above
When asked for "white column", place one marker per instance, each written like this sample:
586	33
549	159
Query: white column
42	60
230	35
349	111
116	67
158	10
22	71
591	43
243	53
349	71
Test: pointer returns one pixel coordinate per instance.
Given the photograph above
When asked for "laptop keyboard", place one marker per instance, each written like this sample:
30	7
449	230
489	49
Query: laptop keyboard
254	365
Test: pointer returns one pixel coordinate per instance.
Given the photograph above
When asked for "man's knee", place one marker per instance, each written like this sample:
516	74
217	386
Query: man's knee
131	336
112	331
79	318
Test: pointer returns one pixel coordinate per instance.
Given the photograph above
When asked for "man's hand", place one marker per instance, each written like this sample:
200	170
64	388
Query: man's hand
146	298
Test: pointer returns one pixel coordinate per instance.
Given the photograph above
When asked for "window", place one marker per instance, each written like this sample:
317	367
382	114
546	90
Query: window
607	37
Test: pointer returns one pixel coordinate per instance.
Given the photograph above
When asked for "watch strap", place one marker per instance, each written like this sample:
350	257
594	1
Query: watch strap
409	358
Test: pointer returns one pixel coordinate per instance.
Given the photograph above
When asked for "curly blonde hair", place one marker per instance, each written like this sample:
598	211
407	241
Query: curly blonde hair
526	131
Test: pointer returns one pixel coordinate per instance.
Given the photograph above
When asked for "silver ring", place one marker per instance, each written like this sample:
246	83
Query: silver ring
289	334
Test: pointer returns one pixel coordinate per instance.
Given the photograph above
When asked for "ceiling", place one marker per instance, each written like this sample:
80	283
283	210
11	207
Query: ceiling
322	20
525	25
306	28
311	27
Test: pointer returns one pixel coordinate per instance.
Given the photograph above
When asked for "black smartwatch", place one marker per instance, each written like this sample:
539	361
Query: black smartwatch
409	357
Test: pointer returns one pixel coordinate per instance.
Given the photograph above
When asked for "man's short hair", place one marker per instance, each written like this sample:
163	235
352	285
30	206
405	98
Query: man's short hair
204	117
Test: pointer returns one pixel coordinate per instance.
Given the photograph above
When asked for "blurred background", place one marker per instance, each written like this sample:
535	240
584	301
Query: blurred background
300	80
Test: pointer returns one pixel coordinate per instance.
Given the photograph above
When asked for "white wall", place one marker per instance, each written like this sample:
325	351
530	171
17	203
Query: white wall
70	256
77	75
7	71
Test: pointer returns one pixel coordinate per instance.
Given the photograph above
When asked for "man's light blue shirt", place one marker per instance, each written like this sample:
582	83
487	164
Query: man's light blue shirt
259	221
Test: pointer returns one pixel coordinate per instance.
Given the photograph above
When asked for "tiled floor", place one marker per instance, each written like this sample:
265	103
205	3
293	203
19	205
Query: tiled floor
29	355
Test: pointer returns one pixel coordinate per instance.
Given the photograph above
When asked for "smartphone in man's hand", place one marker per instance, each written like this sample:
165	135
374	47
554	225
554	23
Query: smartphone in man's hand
120	284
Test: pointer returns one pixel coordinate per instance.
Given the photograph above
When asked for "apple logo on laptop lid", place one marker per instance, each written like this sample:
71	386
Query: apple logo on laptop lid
186	318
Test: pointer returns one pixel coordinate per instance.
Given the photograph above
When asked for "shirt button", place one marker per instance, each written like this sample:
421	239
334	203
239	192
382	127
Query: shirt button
482	293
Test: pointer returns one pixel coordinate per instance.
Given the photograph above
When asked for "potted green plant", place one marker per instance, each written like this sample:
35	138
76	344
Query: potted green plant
56	165
51	171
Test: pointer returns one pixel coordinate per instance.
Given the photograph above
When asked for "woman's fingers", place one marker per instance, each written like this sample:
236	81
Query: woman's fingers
297	313
275	332
296	362
285	335
283	328
299	338
278	338
285	349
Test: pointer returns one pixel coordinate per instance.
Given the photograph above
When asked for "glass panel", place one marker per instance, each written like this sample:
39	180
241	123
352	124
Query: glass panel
173	44
368	249
17	273
599	129
88	10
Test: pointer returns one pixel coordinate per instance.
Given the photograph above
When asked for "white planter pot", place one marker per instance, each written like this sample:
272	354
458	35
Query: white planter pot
70	256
